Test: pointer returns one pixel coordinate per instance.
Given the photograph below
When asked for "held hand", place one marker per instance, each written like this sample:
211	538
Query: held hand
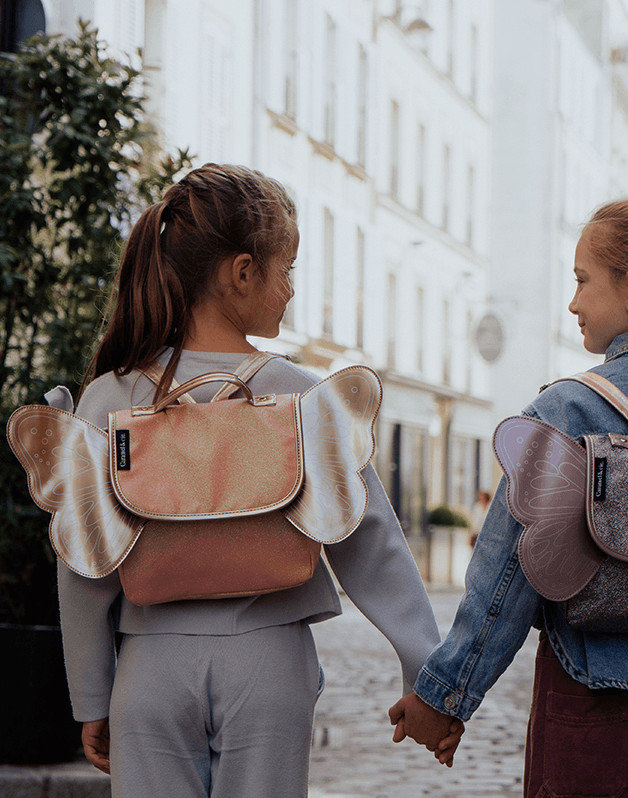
95	737
447	747
438	732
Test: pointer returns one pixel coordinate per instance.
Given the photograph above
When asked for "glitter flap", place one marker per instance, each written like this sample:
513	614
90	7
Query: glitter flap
208	460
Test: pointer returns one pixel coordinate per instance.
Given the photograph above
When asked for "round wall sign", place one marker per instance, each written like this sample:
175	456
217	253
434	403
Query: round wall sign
489	337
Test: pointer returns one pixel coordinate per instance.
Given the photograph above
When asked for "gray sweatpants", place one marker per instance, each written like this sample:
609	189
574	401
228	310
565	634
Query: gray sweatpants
220	716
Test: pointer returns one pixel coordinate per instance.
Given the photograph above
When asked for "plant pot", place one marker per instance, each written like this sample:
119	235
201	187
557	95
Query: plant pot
36	724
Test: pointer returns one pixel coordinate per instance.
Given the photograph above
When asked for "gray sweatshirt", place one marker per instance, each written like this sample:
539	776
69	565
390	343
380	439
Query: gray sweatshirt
373	565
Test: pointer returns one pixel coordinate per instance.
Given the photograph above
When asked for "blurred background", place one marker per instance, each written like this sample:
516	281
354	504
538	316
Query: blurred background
442	153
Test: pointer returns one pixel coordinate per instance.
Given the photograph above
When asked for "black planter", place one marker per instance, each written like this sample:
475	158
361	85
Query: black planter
36	724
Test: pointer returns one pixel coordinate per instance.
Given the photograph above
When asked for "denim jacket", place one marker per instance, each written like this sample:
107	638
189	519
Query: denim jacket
499	605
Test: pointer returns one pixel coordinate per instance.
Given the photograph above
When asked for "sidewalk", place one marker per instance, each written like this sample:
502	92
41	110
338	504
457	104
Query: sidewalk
352	750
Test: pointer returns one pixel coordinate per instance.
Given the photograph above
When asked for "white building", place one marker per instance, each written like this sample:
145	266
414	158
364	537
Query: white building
560	150
432	200
442	154
377	116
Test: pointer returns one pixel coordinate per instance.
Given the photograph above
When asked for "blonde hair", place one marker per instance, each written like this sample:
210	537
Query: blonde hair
607	234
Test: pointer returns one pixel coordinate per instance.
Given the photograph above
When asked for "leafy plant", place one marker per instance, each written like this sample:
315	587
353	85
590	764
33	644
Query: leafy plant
443	515
78	162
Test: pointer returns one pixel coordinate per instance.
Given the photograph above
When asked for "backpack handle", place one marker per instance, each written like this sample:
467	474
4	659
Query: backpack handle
195	382
248	368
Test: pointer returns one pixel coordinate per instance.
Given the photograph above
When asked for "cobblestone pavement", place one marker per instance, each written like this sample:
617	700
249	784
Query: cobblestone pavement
353	754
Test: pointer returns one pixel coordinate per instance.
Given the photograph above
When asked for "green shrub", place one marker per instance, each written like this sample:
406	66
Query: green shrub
443	515
78	163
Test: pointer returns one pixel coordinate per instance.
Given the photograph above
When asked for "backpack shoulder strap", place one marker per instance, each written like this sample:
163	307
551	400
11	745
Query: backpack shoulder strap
250	365
154	373
604	388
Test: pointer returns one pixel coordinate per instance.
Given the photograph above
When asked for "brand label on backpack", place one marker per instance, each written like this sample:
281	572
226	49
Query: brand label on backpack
599	484
122	450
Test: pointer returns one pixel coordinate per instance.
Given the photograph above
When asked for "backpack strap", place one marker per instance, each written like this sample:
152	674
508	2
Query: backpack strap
250	365
154	373
604	388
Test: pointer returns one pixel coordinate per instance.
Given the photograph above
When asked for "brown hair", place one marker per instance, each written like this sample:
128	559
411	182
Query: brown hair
607	232
171	259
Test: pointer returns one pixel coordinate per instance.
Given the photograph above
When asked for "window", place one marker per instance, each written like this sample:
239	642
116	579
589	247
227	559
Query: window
391	342
446	186
362	103
446	344
450	38
395	469
394	149
412	455
425	13
153	59
420	170
469	357
473	66
330	81
216	91
290	59
464	471
403	453
418	326
360	289
19	21
470	205
129	16
328	284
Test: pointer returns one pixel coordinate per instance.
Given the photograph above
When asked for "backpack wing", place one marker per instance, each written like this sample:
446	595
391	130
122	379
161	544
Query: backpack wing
546	472
338	415
67	463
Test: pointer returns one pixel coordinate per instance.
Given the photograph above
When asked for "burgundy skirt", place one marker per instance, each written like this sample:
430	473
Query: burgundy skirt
577	741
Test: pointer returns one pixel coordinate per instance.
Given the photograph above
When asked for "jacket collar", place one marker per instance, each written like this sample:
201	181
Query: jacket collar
618	347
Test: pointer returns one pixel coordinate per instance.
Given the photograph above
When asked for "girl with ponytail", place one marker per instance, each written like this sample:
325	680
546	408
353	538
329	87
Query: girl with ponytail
216	697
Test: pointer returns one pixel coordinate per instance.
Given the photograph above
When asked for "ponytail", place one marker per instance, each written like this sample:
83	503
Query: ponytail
151	309
172	256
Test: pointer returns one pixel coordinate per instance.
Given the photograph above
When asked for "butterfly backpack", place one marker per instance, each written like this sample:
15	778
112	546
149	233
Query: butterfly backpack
572	499
190	500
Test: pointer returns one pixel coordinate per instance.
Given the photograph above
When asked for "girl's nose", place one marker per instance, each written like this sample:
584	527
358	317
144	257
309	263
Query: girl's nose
573	306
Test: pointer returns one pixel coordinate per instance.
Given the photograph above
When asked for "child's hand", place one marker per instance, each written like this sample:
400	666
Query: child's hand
414	718
447	746
95	738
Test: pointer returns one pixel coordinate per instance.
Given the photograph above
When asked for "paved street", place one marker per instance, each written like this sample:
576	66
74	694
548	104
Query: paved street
353	754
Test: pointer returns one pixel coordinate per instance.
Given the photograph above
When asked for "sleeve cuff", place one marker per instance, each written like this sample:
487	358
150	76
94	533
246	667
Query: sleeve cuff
86	708
444	698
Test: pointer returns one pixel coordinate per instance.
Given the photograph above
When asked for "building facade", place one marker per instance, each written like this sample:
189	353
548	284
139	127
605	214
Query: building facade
442	154
377	117
560	150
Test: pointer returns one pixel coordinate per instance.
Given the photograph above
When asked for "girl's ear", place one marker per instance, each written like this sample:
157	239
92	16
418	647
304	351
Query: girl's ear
242	272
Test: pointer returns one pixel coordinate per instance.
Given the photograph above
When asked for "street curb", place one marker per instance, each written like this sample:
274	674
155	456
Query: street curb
66	780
